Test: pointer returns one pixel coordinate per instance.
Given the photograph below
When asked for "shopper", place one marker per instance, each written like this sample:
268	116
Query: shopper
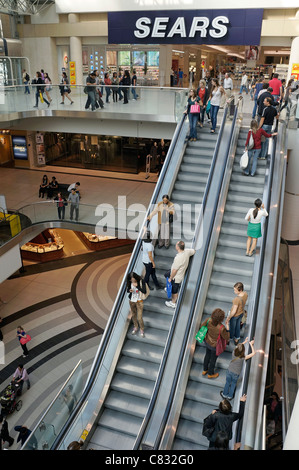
52	187
255	151
115	88
258	87
24	433
276	85
65	88
148	261
61	205
75	186
162	153
99	92
74	201
236	313
4	433
43	186
235	368
22	334
180	78
26	80
228	85
39	90
215	97
264	93
48	83
20	376
136	286
215	327
107	82
125	82
203	94
178	270
223	418
134	84
266	123
165	210
193	111
244	82
91	91
254	217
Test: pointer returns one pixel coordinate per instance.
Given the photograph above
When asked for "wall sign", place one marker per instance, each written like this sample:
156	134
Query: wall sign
19	147
231	27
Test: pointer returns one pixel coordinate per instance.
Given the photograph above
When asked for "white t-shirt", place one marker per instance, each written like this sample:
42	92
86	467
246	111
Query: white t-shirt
216	99
71	186
261	213
135	294
146	248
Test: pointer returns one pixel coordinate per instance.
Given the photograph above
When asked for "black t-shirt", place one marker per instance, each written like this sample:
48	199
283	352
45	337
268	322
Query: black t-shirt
90	80
269	114
134	80
260	101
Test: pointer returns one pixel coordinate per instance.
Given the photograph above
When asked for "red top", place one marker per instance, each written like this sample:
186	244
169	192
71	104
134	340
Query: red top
257	138
275	84
201	93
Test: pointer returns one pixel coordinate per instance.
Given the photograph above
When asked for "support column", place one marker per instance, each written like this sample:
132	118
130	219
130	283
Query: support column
294	56
290	221
76	50
165	63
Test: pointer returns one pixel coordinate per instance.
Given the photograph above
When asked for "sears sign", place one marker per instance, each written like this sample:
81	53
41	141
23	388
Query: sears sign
232	27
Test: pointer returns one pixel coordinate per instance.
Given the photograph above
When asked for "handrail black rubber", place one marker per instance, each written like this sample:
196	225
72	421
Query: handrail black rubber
119	299
179	301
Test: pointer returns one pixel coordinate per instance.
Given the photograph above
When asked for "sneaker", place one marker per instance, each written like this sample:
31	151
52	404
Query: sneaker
170	304
159	287
142	333
134	331
62	102
223	396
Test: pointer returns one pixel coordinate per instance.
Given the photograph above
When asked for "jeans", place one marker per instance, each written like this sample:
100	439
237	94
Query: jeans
27	88
150	271
234	327
265	145
202	115
253	155
61	212
193	119
254	107
74	207
37	96
108	92
91	100
135	96
243	87
214	112
230	384
209	359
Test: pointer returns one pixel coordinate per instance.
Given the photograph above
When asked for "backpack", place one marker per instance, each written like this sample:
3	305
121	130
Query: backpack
27	78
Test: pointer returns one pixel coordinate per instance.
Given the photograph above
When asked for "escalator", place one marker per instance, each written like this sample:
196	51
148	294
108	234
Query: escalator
138	365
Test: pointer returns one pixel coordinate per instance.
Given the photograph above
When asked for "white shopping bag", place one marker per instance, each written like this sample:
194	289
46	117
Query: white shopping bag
244	160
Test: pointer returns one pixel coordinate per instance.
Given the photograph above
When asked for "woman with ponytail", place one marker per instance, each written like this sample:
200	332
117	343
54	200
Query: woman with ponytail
254	217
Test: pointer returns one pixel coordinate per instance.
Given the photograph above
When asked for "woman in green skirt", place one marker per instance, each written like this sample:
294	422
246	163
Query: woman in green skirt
254	217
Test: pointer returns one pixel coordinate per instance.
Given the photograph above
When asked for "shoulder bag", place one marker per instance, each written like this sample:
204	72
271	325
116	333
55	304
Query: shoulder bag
145	296
201	334
25	339
221	343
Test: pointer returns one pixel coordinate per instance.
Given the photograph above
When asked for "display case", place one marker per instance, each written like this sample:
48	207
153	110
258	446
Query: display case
48	246
99	242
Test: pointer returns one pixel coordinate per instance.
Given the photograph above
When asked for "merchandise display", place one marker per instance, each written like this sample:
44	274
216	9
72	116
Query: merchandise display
44	251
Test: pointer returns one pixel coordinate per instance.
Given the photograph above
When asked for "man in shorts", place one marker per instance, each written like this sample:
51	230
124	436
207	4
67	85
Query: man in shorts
178	269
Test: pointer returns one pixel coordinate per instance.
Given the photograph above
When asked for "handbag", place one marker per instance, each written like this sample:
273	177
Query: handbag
168	288
145	296
251	141
25	339
208	107
201	334
244	160
195	108
208	426
221	343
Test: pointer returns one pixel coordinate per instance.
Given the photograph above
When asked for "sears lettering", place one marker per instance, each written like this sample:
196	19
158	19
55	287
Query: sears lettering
200	26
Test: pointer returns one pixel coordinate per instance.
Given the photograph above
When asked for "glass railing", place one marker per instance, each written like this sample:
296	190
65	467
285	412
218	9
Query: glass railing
52	421
163	103
122	222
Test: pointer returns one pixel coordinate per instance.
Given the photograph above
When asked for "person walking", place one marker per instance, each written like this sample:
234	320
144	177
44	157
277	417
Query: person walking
134	84
107	82
193	111
180	78
244	82
165	210
254	217
216	94
65	88
255	151
266	123
48	83
74	200
148	261
236	313
125	81
235	368
258	87
39	90
26	80
91	91
136	286
228	85
61	203
4	433
178	269
223	418
215	327
203	94
22	334
20	376
115	90
276	85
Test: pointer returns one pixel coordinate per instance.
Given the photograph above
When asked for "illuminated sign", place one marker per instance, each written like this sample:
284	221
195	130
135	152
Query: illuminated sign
19	147
230	27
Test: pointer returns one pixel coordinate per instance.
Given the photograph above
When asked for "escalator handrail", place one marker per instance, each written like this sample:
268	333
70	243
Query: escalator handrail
120	296
185	338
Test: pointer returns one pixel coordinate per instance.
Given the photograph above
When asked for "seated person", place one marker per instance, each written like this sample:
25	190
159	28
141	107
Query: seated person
53	185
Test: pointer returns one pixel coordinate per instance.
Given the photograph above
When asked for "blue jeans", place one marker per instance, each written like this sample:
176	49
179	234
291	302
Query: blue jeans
265	145
214	112
254	107
108	92
27	88
230	384
91	100
243	87
135	96
234	327
253	155
193	119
